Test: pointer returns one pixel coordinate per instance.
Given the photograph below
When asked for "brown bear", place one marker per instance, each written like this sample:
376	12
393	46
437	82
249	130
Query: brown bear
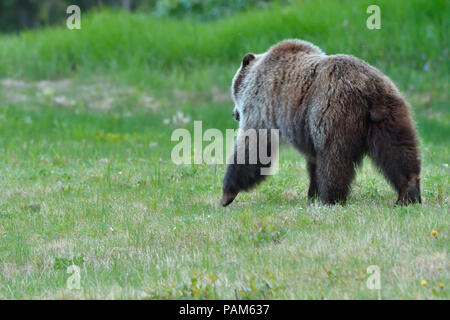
334	109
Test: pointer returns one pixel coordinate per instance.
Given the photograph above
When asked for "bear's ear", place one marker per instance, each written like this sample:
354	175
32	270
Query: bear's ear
247	58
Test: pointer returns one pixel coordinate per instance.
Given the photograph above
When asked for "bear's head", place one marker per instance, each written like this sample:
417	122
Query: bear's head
239	80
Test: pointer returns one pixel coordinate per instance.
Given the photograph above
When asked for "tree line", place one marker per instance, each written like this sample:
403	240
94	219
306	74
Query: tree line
17	15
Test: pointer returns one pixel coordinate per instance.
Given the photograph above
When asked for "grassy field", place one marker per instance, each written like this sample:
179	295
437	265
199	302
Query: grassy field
87	178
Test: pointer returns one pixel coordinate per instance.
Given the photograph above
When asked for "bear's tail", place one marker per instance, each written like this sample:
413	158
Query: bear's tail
393	146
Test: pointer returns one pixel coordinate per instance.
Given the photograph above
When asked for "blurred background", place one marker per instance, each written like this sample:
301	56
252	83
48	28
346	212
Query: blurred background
164	62
161	42
16	15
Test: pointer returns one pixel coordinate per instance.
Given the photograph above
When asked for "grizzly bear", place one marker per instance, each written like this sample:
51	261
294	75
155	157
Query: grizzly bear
334	109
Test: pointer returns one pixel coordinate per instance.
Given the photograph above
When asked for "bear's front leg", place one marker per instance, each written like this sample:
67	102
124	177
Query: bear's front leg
250	163
237	178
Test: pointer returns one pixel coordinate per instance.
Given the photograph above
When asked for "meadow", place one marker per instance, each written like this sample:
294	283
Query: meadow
86	176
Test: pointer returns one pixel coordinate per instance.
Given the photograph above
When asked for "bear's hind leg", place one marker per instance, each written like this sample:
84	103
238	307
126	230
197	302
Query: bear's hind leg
334	174
393	147
312	191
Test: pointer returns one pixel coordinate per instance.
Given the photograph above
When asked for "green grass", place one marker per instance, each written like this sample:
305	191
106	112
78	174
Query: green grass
86	174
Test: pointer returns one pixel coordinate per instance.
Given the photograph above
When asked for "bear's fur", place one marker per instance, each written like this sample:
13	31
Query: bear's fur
333	109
